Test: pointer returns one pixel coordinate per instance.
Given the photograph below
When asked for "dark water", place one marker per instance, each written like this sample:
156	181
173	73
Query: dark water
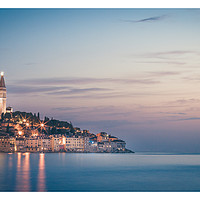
99	172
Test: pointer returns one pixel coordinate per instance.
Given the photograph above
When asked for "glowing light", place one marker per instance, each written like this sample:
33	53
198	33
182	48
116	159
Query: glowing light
2	73
24	120
27	124
20	132
42	125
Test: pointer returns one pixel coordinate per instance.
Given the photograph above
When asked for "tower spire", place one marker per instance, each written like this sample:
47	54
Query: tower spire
2	82
2	94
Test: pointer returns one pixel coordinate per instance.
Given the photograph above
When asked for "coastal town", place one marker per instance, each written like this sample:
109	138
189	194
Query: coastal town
27	132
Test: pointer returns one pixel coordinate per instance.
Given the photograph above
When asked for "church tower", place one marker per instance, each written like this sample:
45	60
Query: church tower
2	95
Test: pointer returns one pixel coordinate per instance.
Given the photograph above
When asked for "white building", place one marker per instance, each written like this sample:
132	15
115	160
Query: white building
31	144
45	144
55	143
79	144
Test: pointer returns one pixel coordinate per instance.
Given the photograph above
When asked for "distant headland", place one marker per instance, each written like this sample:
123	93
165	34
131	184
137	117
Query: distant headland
26	132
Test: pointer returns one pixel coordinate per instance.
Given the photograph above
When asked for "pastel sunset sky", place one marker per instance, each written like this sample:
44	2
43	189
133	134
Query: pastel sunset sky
134	73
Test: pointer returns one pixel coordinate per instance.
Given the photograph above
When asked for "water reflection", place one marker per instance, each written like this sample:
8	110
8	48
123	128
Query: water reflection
41	174
23	176
18	172
25	179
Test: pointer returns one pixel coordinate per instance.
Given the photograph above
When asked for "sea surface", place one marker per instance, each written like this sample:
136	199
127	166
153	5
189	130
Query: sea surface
97	172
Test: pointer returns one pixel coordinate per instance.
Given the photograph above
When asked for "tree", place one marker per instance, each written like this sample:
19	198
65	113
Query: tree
38	115
8	128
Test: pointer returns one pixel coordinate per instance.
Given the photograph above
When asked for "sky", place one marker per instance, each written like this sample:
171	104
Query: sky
133	73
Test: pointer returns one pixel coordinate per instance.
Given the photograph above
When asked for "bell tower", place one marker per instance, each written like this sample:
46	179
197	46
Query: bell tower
2	95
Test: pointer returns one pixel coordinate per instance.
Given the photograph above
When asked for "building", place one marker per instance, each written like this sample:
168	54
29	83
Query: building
2	95
112	146
120	145
102	137
76	144
93	146
31	144
19	144
55	143
45	144
6	144
9	110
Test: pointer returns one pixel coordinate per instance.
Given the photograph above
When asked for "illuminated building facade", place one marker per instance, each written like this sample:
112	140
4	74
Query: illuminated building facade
2	95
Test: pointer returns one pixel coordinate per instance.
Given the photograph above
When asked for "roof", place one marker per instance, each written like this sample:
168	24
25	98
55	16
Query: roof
2	82
118	141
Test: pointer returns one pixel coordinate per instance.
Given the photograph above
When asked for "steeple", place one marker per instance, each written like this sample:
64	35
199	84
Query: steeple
2	82
2	95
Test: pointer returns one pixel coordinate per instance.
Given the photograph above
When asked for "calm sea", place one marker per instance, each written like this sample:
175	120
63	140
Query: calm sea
99	172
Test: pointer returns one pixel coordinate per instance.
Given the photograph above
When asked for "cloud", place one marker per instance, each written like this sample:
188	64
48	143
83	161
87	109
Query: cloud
150	19
177	52
174	57
162	62
21	89
164	73
168	54
78	91
185	101
194	77
64	91
84	81
192	118
172	113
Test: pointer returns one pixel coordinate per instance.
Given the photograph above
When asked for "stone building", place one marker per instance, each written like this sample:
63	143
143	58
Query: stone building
31	144
2	95
78	144
6	144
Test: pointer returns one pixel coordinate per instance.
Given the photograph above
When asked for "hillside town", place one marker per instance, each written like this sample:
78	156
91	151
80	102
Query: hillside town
26	132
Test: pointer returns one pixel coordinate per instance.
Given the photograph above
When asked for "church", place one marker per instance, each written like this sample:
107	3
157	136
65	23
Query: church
3	108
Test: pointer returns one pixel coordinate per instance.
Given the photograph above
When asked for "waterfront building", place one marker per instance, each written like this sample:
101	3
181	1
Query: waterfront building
19	143
45	144
112	146
93	146
2	95
75	144
31	144
6	144
55	143
120	145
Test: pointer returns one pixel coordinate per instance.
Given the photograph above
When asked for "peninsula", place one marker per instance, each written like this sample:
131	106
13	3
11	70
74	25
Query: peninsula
26	132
